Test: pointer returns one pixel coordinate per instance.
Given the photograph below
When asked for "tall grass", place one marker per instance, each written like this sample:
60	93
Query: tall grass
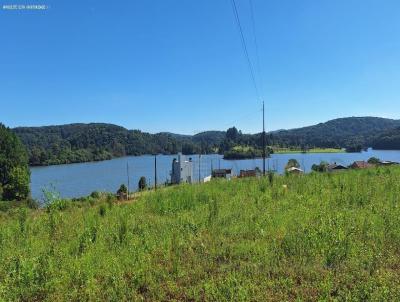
311	237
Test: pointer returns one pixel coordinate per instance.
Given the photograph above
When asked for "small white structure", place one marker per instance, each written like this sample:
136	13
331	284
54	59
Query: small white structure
182	170
294	170
207	179
388	163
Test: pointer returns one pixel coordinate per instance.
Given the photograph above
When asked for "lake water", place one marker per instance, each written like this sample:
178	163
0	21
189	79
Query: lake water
75	180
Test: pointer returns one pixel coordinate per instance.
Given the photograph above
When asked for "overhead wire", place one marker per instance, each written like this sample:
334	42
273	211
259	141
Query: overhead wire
256	45
244	47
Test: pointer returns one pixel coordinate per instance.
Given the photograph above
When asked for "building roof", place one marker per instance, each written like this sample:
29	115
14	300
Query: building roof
361	164
294	169
222	171
388	162
336	167
249	173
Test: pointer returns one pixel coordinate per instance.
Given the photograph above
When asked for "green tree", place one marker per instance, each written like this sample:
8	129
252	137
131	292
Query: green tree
354	148
122	192
292	163
14	169
374	161
122	189
232	134
142	183
188	148
322	167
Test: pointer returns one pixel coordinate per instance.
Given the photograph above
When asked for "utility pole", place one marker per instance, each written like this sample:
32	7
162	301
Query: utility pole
155	172
199	168
263	140
127	174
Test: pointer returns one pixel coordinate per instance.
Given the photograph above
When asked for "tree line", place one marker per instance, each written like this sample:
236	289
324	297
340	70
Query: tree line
75	143
14	170
388	140
94	142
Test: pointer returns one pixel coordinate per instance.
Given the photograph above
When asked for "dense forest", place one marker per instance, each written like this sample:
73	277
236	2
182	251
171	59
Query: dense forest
338	133
387	140
353	133
14	170
93	142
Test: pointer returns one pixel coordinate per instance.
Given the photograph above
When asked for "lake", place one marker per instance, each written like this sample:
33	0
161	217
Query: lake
75	180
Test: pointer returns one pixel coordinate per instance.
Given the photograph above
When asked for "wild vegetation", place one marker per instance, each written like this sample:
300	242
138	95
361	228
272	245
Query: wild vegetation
14	170
92	142
308	237
346	133
278	150
388	140
245	152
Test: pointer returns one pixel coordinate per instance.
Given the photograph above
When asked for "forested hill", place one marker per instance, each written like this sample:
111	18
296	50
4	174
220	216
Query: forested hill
342	132
387	140
91	142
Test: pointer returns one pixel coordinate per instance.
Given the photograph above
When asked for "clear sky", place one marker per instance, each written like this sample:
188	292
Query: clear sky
178	65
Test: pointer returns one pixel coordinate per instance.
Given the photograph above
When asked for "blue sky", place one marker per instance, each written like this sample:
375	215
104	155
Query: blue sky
178	66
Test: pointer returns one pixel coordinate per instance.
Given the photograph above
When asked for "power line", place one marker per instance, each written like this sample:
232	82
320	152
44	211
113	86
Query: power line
260	79
241	118
251	66
246	53
256	44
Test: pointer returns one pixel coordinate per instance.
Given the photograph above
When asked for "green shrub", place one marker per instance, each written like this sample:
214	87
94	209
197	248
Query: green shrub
122	192
110	199
14	170
102	210
142	185
5	206
95	195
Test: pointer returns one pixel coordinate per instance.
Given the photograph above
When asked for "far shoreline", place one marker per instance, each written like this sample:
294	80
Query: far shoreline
311	151
242	156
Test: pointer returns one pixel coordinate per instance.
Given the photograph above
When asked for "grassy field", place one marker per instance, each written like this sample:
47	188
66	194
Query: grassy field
313	150
313	237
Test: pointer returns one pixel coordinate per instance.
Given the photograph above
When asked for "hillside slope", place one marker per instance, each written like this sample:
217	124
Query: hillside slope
341	132
90	142
96	141
387	140
321	237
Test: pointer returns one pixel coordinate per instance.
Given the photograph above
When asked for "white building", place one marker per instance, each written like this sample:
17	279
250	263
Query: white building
294	170
182	170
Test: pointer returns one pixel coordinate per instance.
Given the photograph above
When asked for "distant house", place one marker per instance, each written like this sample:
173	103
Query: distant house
388	163
182	170
222	173
335	167
250	173
361	165
294	170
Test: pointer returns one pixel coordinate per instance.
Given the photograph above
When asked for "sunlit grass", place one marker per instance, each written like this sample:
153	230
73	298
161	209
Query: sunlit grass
312	150
311	237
